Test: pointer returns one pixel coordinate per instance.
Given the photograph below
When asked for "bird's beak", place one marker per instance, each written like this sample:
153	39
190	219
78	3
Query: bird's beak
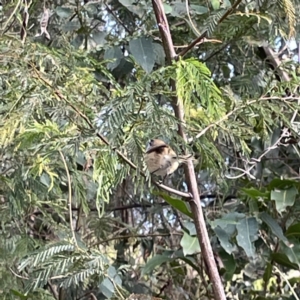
148	146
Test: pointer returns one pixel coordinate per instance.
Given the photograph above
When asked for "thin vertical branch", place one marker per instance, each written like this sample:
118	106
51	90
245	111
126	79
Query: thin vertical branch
69	197
198	216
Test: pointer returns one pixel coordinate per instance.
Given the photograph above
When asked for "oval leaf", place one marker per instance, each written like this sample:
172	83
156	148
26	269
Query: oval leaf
224	240
229	264
142	51
115	54
107	288
190	245
176	203
284	198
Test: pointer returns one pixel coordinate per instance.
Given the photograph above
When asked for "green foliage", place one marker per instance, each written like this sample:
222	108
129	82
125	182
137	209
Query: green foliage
194	85
77	220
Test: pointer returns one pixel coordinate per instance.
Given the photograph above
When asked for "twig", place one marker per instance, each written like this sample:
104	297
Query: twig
69	197
254	161
283	276
53	291
203	35
17	275
190	19
117	18
204	40
13	14
93	296
137	236
192	44
217	51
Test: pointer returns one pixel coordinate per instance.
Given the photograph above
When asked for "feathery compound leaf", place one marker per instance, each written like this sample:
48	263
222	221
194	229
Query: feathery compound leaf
41	256
290	14
9	128
195	86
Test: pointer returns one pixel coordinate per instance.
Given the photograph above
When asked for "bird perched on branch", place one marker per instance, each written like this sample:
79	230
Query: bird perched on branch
161	159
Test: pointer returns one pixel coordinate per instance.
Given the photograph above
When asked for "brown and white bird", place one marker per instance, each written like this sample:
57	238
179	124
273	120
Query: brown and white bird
161	159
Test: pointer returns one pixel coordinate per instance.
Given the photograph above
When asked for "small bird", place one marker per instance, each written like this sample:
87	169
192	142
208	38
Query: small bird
161	159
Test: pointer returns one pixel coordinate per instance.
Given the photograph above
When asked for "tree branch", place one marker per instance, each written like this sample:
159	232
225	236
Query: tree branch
275	62
120	237
203	35
195	204
253	162
290	98
117	18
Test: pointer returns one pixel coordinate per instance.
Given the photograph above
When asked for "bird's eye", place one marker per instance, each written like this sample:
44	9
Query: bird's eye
150	142
149	145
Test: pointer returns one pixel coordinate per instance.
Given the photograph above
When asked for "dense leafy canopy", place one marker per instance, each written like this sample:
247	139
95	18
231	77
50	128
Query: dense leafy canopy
78	102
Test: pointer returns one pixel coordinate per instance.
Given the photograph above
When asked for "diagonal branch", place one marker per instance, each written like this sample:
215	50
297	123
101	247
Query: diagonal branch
117	18
275	62
203	35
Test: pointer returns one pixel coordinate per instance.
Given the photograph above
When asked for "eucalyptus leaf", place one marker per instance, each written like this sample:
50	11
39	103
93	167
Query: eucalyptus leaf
215	4
78	40
99	38
199	9
293	230
268	272
228	222
247	229
278	183
159	54
155	261
229	264
190	227
274	226
71	26
283	260
167	8
292	252
178	9
255	193
132	6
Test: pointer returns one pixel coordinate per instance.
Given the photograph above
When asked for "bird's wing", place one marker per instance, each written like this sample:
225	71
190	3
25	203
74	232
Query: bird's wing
158	149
